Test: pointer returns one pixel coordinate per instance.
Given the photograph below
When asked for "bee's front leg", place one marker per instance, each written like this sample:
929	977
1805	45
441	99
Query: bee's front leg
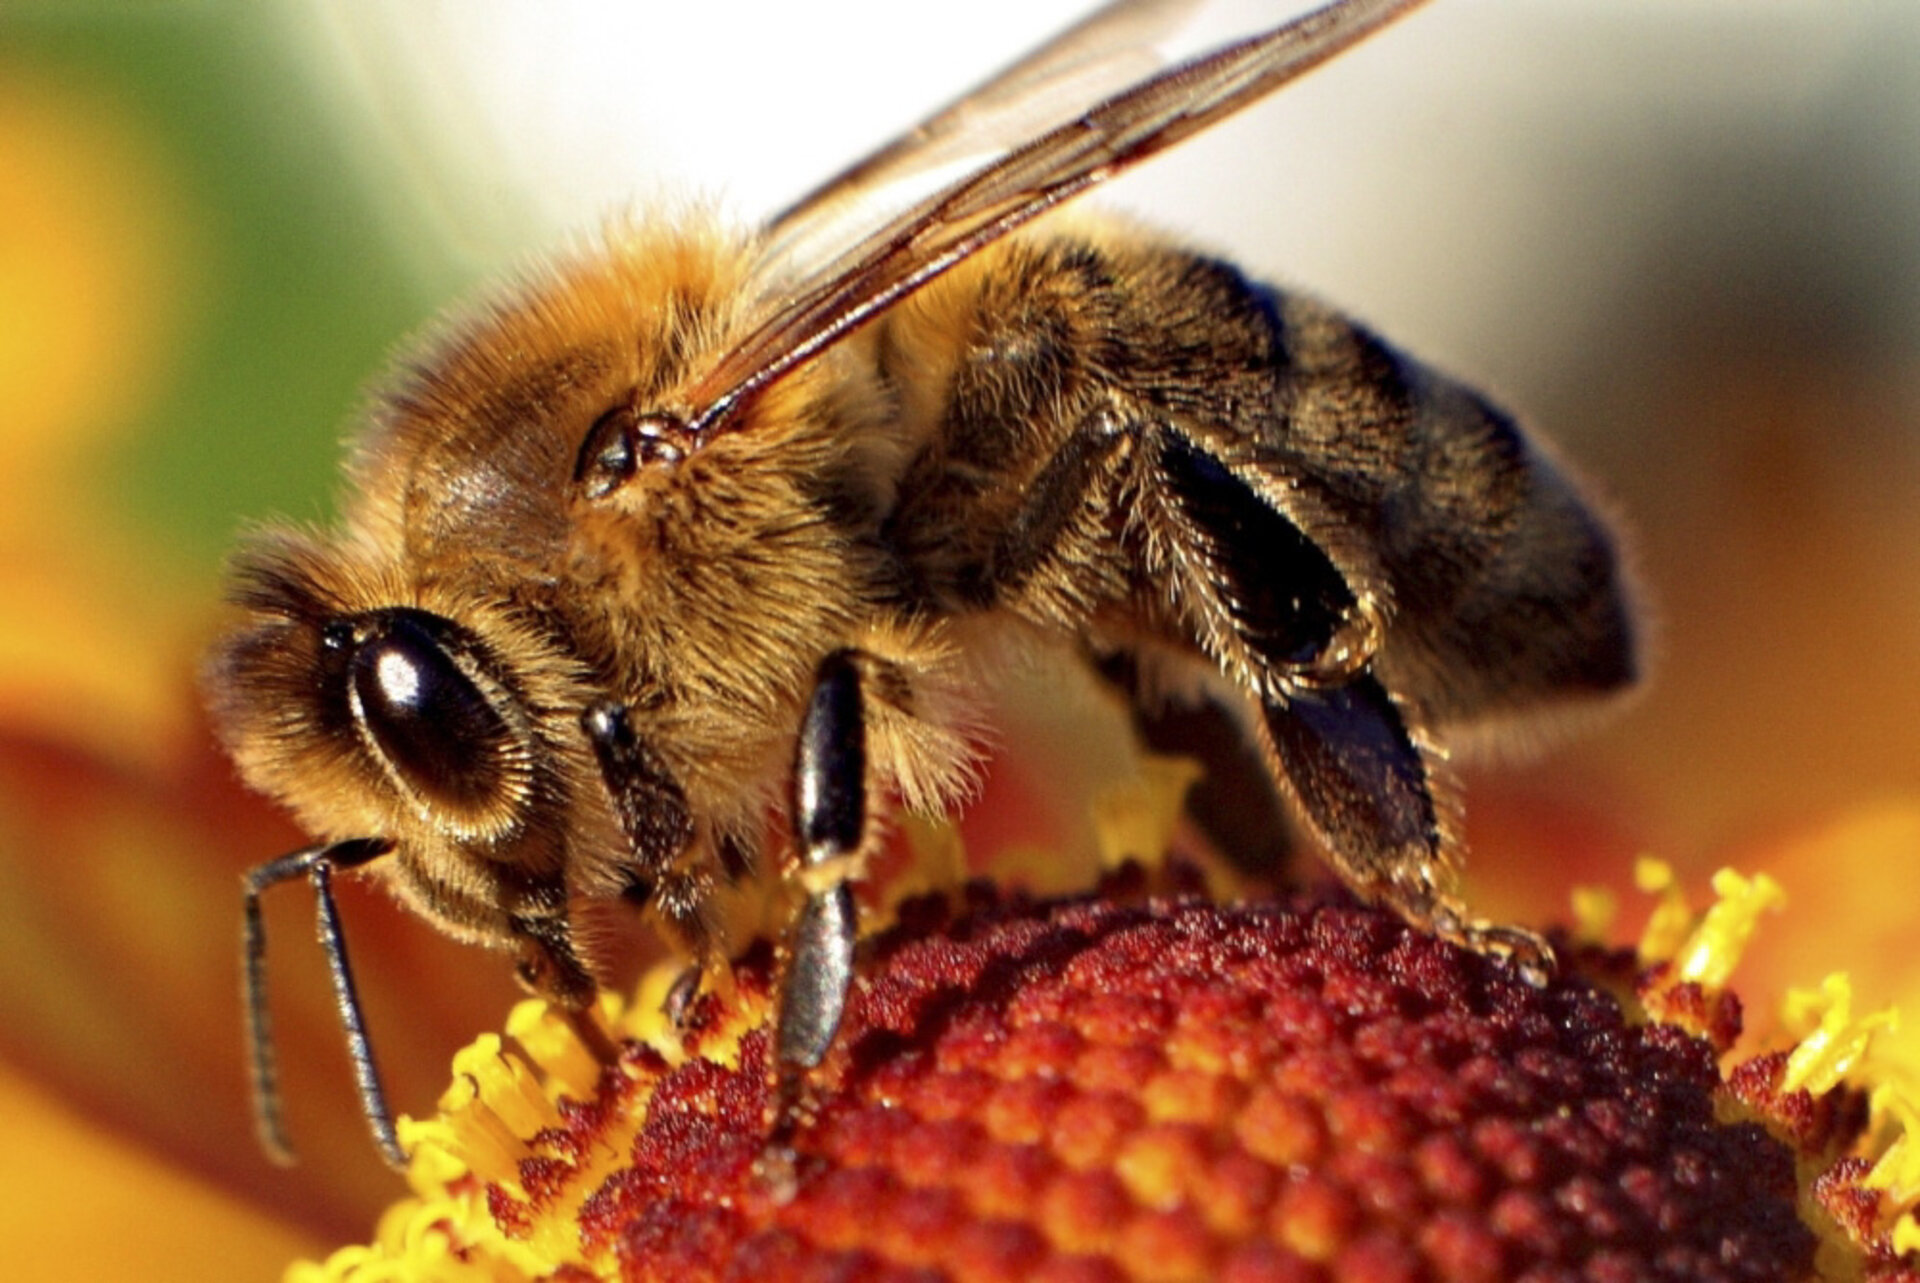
653	814
832	831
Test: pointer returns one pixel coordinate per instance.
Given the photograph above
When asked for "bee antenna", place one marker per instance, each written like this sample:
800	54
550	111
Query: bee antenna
317	863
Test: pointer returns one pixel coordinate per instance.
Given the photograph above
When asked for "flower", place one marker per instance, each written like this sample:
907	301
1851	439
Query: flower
1124	1087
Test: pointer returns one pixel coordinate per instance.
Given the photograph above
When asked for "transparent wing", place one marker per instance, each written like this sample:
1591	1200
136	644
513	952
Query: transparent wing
1116	46
1024	175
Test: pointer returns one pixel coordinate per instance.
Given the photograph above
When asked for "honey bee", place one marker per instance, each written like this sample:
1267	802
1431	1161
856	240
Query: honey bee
705	524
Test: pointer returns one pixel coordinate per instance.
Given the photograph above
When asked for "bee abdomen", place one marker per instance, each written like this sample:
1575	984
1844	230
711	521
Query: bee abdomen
1508	588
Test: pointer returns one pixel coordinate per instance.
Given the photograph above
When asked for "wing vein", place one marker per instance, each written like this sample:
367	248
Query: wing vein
909	249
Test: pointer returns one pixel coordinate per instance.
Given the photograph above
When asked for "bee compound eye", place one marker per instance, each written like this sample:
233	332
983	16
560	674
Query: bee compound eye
436	728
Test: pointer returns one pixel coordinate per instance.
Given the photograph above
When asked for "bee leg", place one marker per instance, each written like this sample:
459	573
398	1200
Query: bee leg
1373	789
653	814
683	906
1274	608
831	834
679	903
647	800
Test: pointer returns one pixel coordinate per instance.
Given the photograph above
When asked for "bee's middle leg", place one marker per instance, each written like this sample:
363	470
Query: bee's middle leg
832	831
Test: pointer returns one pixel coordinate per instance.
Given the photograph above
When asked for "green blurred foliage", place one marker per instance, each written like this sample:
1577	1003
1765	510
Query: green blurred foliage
296	292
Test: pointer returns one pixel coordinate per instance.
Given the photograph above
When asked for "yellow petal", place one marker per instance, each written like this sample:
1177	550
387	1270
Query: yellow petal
77	1203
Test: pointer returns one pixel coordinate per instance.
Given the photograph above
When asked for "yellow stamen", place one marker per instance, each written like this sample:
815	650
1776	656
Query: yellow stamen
1135	818
1833	1042
1897	1174
1672	919
1711	952
1594	911
1898	1171
493	1102
938	866
548	1038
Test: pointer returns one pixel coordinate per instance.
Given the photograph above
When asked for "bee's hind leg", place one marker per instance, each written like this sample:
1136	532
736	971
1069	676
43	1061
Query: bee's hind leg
832	830
1275	610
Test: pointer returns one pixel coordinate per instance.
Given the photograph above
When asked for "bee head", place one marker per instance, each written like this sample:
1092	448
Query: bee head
372	707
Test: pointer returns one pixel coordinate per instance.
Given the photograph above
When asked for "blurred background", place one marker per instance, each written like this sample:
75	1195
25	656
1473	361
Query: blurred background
1683	238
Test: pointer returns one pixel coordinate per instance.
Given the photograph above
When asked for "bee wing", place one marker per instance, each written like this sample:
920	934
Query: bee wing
1116	46
1083	139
